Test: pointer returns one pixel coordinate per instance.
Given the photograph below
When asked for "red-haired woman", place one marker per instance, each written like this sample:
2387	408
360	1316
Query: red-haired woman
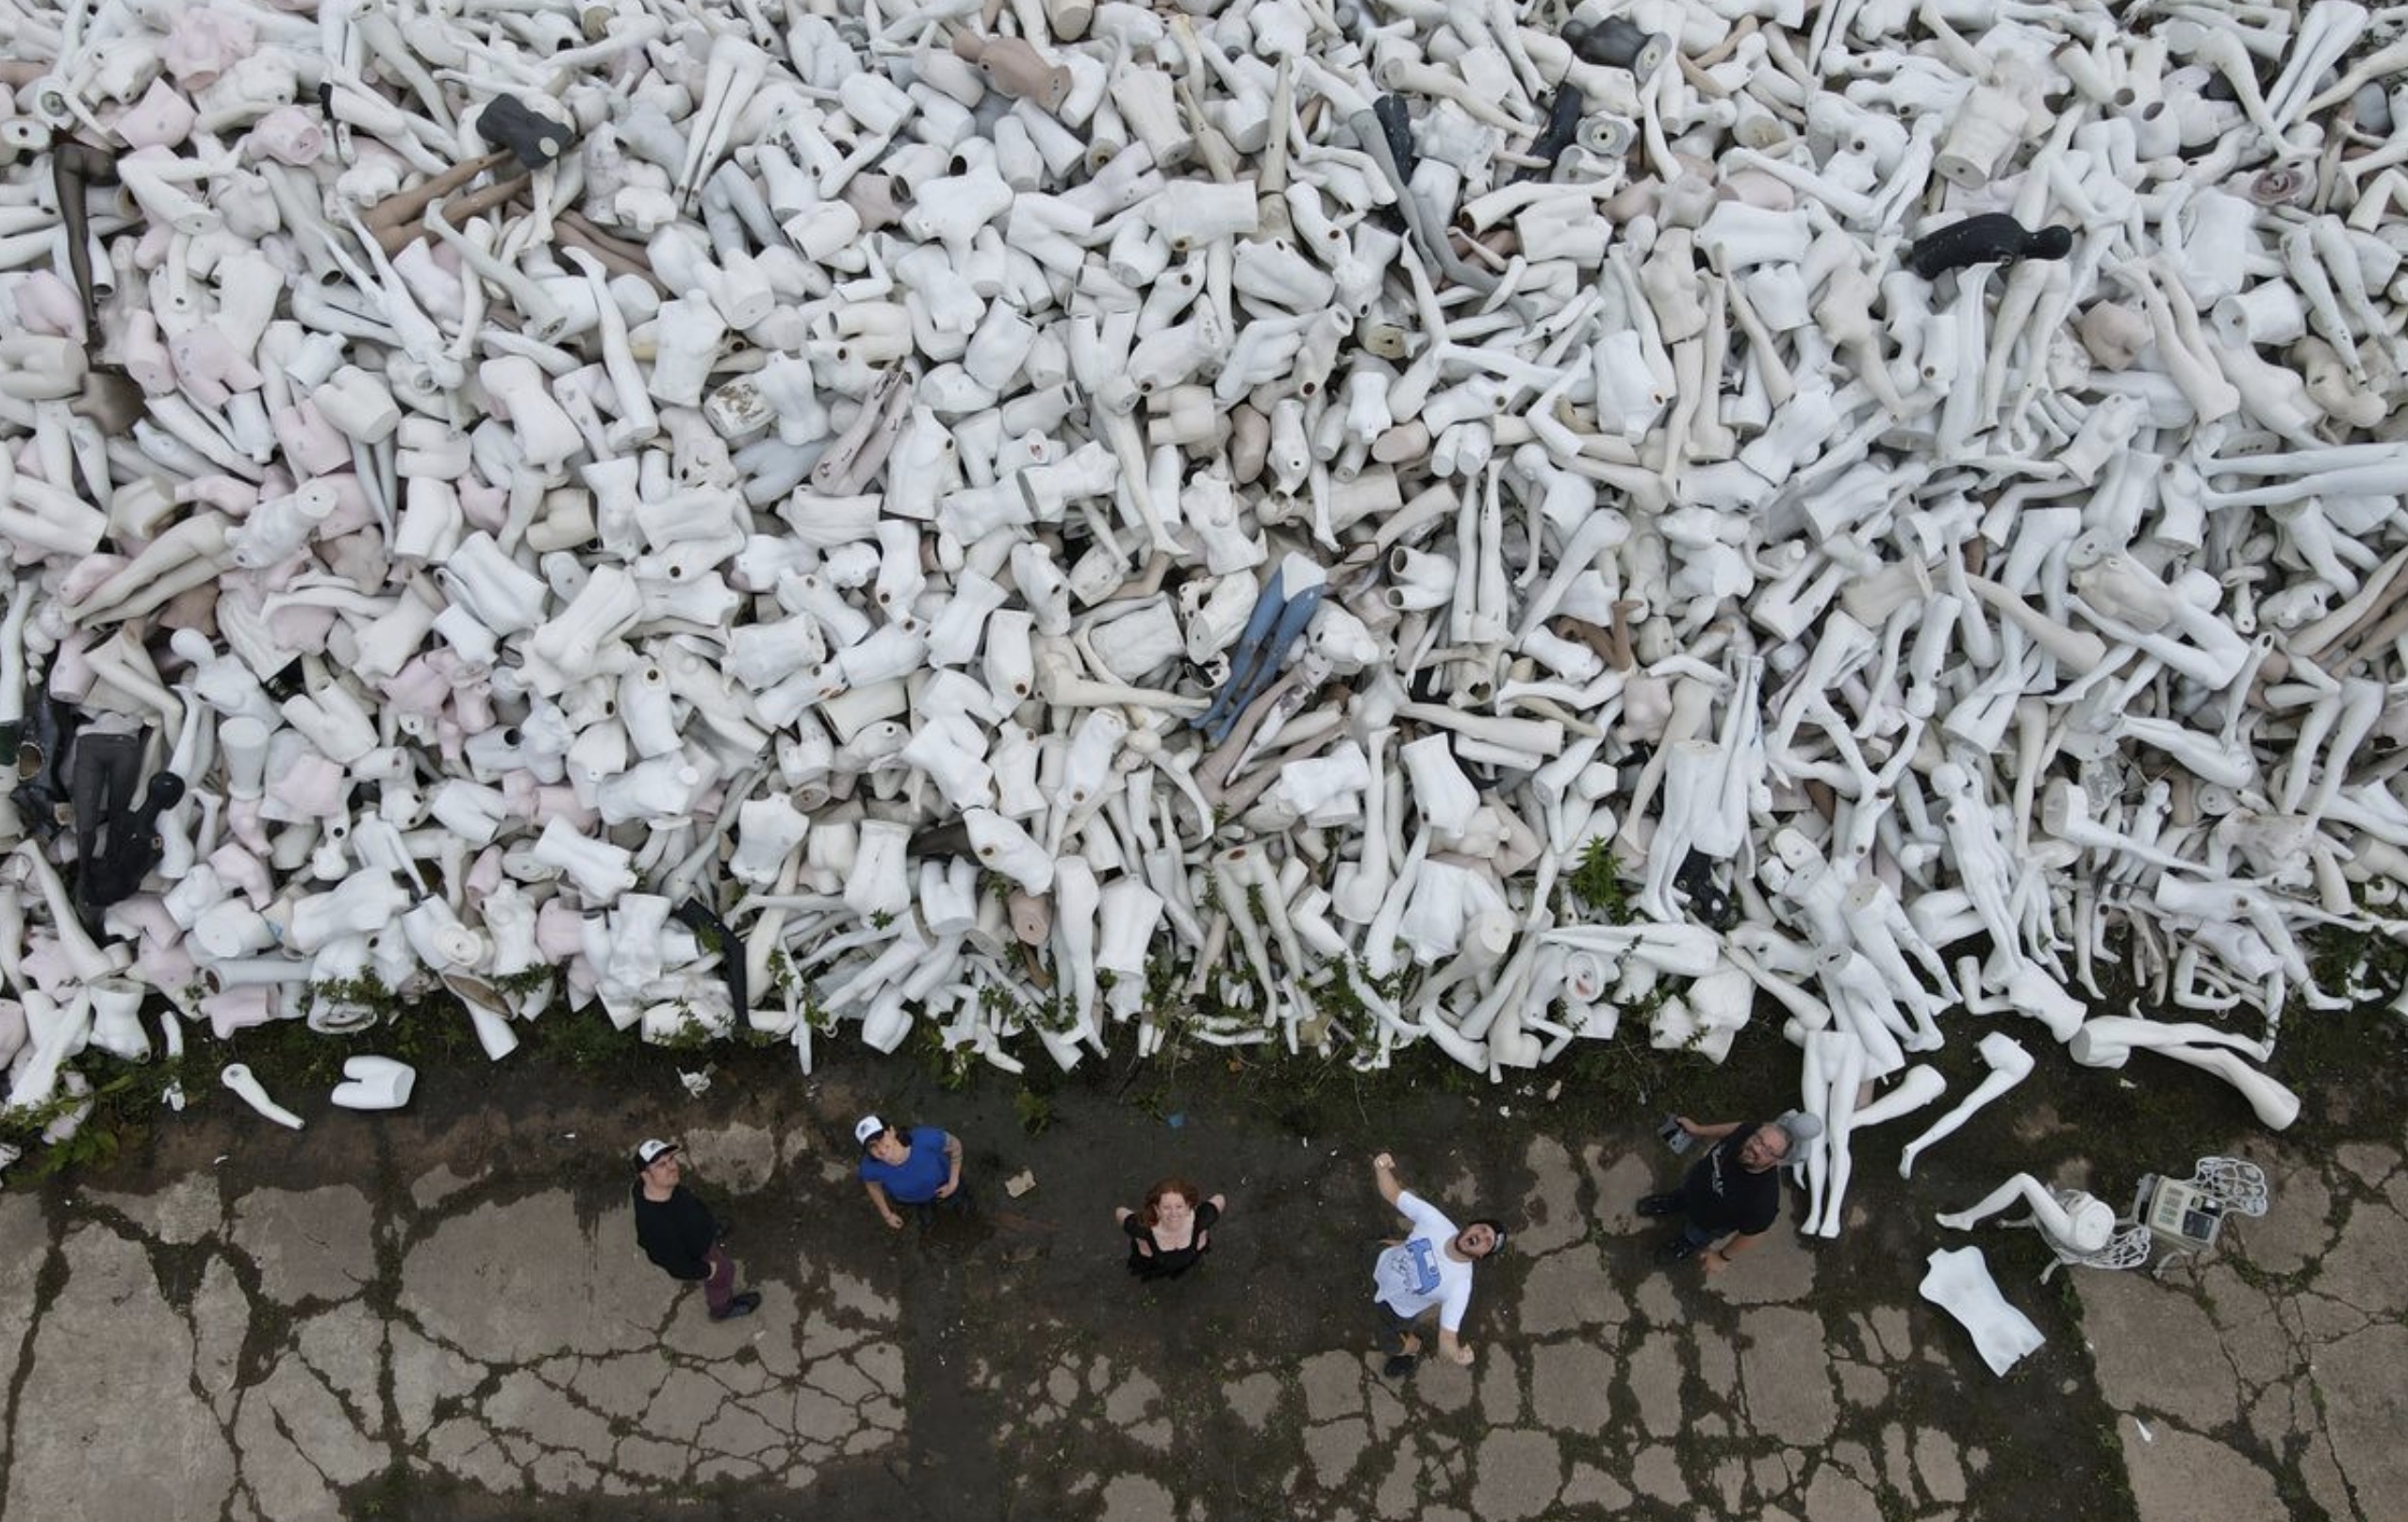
1171	1233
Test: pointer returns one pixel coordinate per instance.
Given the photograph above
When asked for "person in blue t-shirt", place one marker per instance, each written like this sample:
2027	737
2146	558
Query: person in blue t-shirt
918	1166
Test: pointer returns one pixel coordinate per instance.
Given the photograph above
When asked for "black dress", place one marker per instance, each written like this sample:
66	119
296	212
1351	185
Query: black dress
1163	1264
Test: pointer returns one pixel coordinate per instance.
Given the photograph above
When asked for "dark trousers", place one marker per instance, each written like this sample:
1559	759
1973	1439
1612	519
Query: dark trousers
719	1287
1699	1236
955	1206
1393	1328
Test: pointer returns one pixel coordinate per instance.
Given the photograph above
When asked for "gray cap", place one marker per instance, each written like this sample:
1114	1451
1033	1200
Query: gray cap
1802	1127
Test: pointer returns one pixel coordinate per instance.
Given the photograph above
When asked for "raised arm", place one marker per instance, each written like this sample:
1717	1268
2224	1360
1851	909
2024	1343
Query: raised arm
1705	1133
1383	1173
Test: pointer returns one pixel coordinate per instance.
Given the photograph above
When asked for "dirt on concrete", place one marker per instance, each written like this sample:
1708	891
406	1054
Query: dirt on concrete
1032	1378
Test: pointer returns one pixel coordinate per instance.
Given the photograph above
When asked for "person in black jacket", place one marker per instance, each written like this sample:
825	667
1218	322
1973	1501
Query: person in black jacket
679	1232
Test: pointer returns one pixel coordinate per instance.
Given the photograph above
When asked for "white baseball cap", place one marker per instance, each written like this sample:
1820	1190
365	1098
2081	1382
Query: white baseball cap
652	1152
868	1129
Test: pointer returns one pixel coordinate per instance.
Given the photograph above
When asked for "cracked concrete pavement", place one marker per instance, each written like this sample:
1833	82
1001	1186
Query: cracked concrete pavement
2270	1382
447	1316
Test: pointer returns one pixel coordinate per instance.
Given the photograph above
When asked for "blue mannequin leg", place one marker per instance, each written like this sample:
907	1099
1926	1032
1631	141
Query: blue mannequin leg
1259	625
1292	617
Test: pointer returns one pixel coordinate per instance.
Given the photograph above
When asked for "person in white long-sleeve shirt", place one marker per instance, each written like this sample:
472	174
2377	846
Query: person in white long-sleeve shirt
1428	1270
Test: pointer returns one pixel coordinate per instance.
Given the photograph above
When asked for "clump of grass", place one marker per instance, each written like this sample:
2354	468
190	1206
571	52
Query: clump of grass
1035	1111
120	1101
1596	882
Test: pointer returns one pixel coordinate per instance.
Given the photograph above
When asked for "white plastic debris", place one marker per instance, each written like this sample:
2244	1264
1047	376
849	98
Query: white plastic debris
1074	524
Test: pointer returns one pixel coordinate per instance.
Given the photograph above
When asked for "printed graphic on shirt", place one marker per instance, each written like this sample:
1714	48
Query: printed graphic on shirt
1410	1271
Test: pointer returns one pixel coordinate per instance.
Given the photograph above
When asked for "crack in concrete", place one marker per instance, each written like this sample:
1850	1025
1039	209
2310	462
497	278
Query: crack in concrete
2284	1421
643	1404
773	1438
284	1430
48	1278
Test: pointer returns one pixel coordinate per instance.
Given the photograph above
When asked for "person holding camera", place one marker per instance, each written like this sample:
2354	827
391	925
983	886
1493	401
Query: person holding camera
1733	1192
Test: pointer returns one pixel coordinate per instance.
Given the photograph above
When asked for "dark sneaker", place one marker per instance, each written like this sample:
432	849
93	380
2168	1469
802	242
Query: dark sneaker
743	1305
1679	1250
1400	1365
1658	1205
